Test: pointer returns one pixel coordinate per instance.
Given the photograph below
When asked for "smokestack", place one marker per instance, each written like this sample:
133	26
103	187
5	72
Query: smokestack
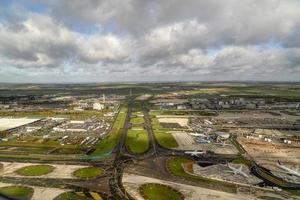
103	98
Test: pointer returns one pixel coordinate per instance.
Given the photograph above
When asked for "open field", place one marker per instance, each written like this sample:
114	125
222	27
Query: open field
174	164
183	122
111	140
137	141
37	143
162	136
165	139
137	120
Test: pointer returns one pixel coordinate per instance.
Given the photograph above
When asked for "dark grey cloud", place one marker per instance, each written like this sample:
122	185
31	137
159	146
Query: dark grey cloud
205	39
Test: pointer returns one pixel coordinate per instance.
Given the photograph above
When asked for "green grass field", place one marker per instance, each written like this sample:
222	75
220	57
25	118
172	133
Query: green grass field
49	143
35	170
162	136
165	139
153	191
112	139
17	192
175	166
71	196
137	141
137	120
88	172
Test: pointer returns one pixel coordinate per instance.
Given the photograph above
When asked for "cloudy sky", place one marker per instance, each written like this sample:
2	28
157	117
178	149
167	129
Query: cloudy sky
153	40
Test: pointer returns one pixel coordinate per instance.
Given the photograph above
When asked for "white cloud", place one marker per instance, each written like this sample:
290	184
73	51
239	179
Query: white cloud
156	39
43	42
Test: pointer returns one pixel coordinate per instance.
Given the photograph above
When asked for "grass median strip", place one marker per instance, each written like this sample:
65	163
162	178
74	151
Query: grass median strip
162	136
137	120
111	140
137	141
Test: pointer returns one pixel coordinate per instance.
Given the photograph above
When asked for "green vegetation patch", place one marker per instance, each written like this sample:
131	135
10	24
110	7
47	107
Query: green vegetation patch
72	196
242	160
110	142
34	143
174	165
35	170
137	120
238	146
88	172
137	141
154	191
165	139
294	192
162	136
17	192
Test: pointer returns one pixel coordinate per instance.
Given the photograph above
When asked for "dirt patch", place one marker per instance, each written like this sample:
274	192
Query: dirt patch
171	125
268	154
183	122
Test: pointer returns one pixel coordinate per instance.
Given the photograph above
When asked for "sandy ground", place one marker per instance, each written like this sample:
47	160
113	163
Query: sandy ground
41	192
267	154
222	172
181	121
183	139
8	123
143	97
133	182
60	171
